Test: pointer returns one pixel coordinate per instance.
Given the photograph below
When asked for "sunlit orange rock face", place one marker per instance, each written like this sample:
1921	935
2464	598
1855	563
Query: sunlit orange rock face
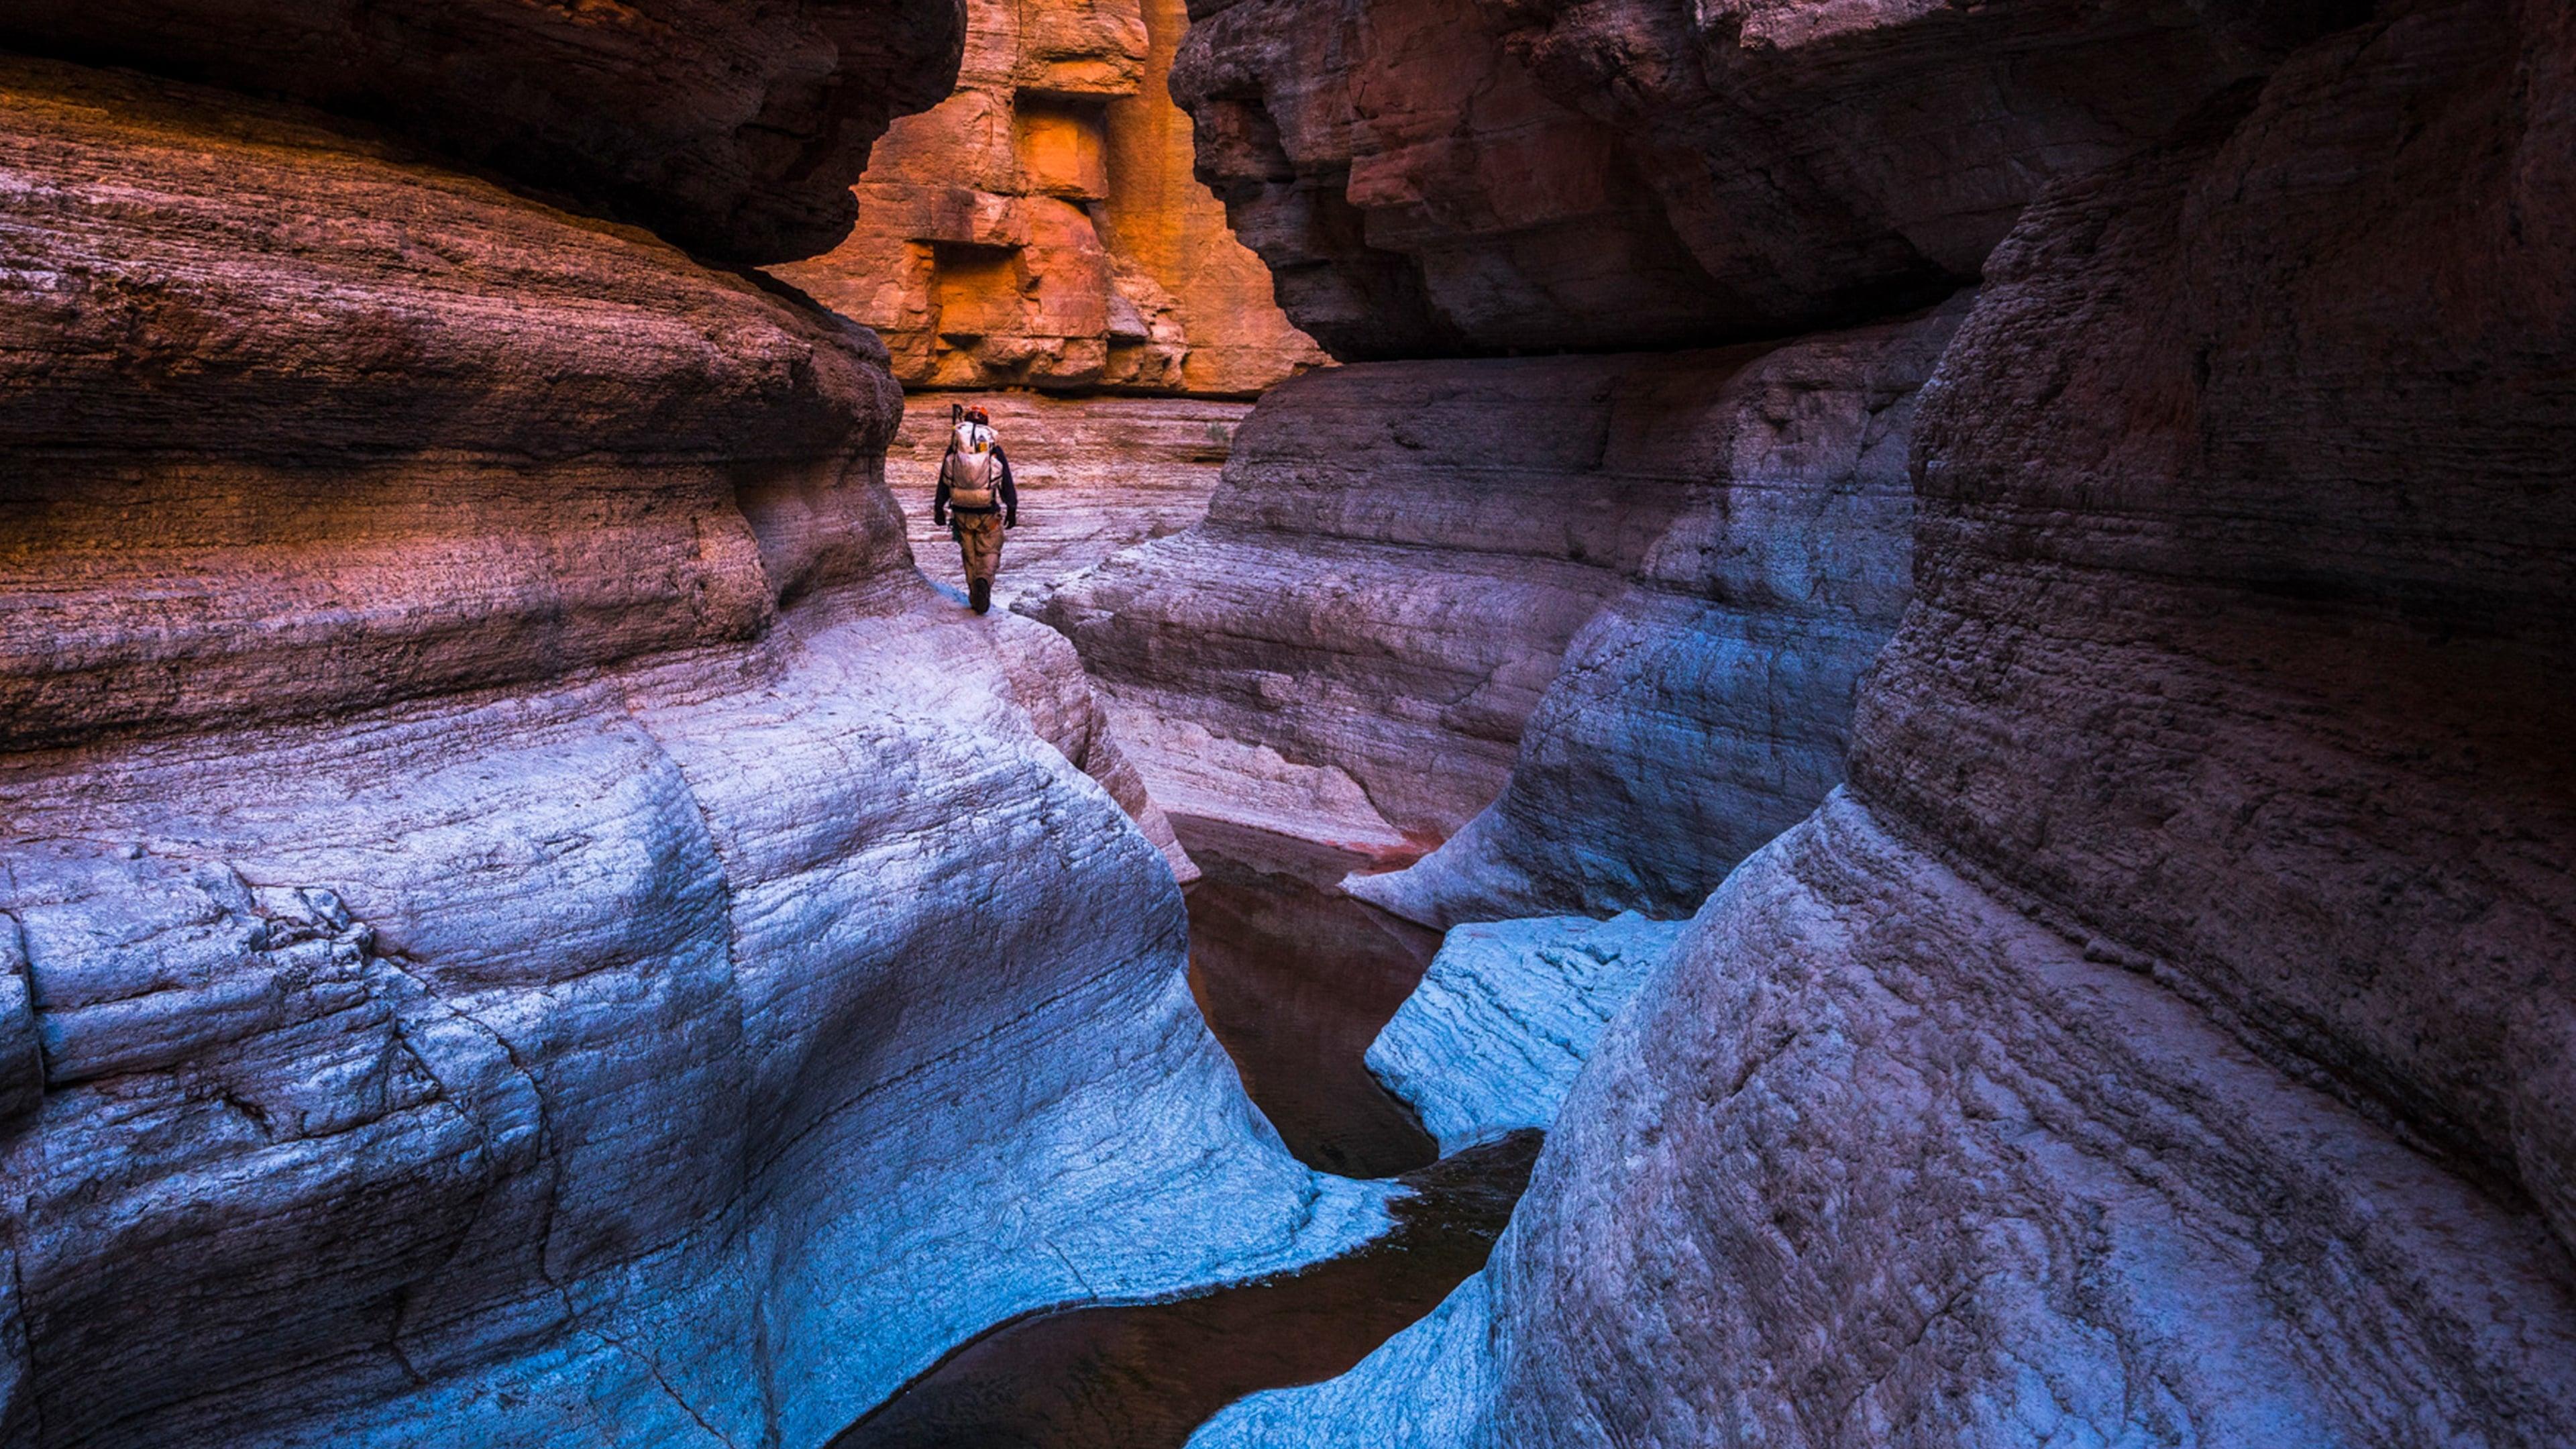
1041	227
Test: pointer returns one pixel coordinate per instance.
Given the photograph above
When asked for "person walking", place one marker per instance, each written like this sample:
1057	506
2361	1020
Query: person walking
975	500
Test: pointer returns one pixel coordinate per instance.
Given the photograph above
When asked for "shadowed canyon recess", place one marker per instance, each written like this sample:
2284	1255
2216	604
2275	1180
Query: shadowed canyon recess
1828	723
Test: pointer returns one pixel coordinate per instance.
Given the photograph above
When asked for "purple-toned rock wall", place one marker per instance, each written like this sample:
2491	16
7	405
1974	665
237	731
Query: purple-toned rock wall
2162	1036
524	919
1446	177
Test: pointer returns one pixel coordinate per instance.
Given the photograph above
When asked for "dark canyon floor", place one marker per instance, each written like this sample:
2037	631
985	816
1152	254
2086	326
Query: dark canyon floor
1294	977
1296	981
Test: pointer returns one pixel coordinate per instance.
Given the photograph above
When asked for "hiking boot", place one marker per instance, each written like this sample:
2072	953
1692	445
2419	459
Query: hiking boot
979	595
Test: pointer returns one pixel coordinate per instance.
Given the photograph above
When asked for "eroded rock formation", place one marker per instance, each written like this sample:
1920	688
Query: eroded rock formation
734	131
1880	1160
1040	228
2162	1037
1353	646
522	918
1505	1017
1435	177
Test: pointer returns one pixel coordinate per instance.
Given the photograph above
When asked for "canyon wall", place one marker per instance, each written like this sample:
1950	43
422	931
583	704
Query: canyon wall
1388	583
522	917
1436	178
1040	228
2162	1035
734	133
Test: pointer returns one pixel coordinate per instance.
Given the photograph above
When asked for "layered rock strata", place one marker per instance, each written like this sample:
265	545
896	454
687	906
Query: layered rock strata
1637	588
1436	177
1039	228
523	918
1505	1017
2251	473
735	131
1880	1160
2162	1038
1707	706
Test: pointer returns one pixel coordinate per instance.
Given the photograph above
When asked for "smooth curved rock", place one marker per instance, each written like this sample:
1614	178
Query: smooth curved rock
1425	1388
688	1073
1628	595
734	130
2247	570
538	924
1707	707
2161	1040
1450	177
302	426
1377	597
1505	1017
1880	1160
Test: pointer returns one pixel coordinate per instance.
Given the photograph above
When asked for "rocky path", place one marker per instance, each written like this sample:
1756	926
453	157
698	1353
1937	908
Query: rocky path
1095	475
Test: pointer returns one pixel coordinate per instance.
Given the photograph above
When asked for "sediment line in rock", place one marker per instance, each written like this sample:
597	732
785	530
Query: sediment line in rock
2160	1036
525	918
1570	583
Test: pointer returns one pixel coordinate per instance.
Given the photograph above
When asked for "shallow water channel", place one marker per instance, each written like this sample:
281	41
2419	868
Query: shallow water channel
1295	980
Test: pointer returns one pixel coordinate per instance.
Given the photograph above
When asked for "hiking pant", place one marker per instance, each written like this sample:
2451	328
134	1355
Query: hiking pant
979	538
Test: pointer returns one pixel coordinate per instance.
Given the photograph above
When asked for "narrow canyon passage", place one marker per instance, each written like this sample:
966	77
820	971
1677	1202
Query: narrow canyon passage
1808	723
1294	977
1296	980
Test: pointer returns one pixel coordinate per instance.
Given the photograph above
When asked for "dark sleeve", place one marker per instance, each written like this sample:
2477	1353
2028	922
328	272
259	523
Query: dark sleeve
1010	495
939	499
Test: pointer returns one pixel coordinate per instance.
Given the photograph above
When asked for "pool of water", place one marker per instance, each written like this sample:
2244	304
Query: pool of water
1295	980
1146	1376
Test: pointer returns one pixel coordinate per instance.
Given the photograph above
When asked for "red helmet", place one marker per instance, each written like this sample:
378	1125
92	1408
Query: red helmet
978	415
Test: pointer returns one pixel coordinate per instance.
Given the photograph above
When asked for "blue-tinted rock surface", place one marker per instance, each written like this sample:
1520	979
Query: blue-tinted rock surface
2162	1037
1707	706
1628	594
1883	1160
537	925
1505	1017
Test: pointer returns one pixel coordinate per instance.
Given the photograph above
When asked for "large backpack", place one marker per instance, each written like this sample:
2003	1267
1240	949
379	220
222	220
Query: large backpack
971	468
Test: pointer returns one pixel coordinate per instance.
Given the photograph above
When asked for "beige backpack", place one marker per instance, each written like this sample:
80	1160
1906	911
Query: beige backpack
971	469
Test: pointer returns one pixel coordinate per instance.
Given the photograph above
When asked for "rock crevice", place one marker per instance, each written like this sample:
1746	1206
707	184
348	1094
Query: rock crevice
535	923
2160	1037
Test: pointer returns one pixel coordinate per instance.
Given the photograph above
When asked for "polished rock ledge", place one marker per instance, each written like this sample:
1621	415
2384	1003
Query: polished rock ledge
1505	1017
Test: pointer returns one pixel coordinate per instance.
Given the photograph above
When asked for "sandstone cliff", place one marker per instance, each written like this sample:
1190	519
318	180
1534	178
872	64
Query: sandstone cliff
522	919
2163	1036
1040	227
1438	177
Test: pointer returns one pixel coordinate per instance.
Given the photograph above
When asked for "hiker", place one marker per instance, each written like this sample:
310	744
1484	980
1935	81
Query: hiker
976	500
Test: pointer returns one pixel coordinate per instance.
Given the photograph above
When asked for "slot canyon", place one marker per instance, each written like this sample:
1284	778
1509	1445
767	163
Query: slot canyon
1820	723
